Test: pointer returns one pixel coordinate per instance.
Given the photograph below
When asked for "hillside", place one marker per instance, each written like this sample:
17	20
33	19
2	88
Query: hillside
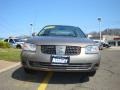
107	32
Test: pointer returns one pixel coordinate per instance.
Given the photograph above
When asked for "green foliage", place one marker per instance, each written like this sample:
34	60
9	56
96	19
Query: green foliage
10	54
4	44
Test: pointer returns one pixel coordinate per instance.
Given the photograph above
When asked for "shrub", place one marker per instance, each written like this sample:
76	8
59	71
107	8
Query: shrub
4	44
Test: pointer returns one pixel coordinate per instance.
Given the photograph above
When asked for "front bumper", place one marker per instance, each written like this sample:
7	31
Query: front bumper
78	63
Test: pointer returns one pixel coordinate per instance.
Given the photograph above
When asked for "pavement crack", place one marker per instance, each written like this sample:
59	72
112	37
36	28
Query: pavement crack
109	71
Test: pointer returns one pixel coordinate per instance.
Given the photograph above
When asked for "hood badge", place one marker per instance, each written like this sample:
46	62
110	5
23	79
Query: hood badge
60	50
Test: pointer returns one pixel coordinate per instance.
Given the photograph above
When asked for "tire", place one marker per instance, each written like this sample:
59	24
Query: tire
92	73
29	71
18	47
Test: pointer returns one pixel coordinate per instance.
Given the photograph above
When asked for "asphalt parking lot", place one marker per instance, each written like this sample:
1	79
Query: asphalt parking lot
106	78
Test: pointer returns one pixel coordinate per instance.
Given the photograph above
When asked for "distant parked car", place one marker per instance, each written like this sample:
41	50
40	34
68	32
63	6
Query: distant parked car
15	42
60	48
99	44
106	45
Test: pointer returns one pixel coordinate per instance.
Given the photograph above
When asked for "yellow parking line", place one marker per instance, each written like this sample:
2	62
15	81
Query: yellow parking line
44	83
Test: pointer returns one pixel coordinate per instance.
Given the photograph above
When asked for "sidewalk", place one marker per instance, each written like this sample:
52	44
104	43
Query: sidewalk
5	65
114	48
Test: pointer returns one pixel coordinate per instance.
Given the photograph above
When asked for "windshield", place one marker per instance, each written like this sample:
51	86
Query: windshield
68	31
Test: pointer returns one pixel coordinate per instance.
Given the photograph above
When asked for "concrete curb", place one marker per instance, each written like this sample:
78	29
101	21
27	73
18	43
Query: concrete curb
10	67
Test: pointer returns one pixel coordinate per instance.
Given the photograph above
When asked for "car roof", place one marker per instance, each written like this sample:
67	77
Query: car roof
62	26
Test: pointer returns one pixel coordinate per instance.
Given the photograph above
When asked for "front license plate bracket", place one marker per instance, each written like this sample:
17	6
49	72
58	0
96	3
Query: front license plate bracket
60	60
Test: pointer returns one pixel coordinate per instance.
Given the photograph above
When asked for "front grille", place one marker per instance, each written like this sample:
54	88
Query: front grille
51	49
48	49
66	66
72	50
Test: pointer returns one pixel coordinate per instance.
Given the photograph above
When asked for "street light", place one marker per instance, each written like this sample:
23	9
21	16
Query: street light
99	20
31	28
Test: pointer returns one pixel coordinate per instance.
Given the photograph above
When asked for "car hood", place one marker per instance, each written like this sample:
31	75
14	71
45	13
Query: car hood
72	41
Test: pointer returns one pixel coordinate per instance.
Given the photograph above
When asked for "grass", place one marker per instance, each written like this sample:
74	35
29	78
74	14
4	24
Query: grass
10	54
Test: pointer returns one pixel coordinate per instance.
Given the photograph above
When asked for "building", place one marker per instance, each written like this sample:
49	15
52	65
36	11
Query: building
110	39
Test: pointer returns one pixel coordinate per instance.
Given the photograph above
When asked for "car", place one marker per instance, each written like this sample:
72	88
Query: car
60	48
106	45
14	42
99	44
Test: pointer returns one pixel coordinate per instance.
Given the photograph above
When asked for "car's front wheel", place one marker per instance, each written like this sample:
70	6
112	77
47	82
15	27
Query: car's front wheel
18	47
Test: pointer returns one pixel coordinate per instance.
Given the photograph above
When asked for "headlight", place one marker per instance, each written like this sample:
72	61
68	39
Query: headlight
29	47
91	49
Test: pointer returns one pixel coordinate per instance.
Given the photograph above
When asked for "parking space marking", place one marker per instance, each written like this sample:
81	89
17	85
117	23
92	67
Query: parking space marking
44	83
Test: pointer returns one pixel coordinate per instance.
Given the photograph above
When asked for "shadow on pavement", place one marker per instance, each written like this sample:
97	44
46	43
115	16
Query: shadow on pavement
57	78
69	78
36	77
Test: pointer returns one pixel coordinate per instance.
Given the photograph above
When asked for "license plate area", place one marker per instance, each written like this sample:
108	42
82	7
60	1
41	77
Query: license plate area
60	59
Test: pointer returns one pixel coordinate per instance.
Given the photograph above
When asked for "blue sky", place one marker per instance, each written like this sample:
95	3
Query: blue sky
16	15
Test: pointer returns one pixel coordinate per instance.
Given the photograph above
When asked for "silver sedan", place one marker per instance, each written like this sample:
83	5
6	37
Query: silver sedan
60	48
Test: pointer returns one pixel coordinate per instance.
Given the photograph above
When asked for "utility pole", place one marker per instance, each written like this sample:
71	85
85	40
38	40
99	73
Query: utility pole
99	20
31	28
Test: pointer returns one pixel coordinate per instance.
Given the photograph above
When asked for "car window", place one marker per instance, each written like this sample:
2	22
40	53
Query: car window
11	41
68	31
17	40
80	33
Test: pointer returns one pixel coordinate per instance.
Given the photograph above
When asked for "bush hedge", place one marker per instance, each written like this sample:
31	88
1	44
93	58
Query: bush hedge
4	44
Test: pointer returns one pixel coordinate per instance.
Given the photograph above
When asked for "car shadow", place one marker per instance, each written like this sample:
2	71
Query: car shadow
19	74
69	78
57	78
